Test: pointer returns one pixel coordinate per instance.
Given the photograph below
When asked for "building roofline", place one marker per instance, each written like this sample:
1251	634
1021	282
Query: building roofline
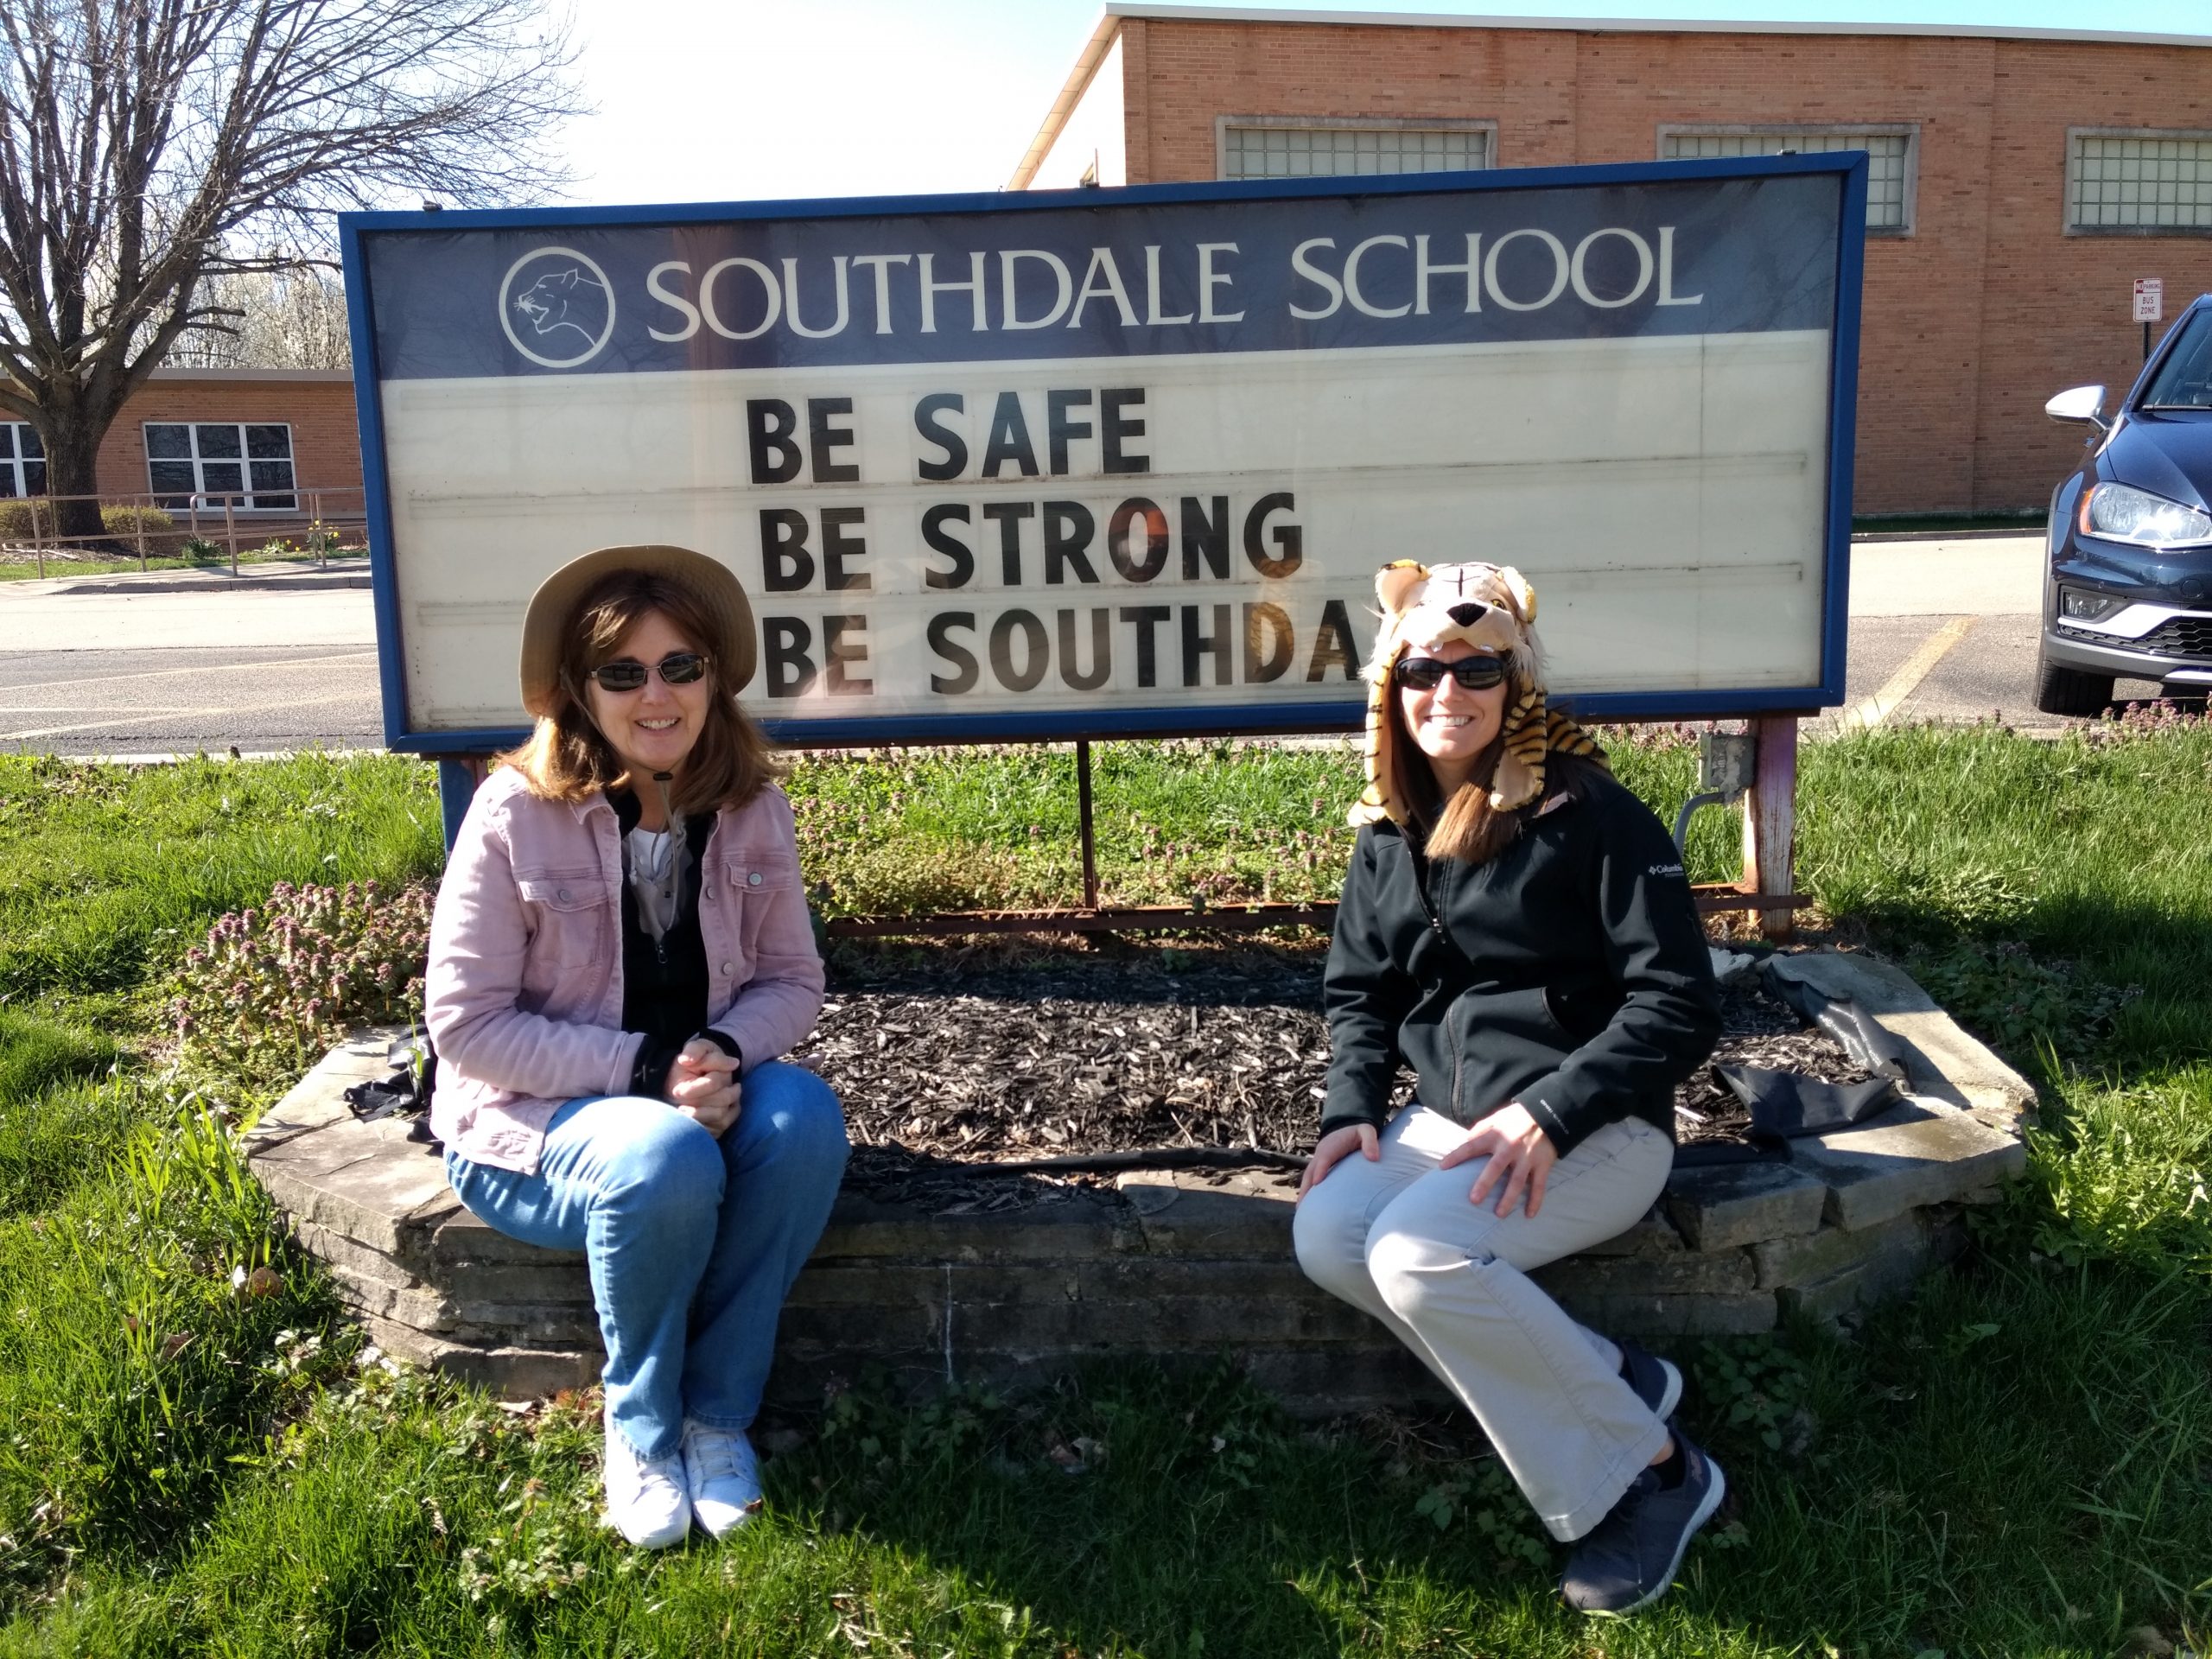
1110	24
1170	13
170	371
1071	90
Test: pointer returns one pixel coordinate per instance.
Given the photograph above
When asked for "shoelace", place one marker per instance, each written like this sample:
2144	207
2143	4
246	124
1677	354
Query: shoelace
717	1454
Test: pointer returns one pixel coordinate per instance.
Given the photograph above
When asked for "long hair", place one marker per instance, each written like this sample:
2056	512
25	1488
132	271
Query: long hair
566	758
1467	827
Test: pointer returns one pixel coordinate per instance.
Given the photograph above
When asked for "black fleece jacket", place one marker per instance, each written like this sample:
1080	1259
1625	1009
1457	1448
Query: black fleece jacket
1569	973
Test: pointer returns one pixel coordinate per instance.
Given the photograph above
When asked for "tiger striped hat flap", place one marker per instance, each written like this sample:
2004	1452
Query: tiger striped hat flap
1492	608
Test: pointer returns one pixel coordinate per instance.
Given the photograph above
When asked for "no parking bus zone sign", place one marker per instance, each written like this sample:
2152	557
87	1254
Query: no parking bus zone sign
1109	463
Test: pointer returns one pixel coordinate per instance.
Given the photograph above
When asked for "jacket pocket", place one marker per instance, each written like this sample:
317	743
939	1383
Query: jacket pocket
1507	1040
741	890
569	912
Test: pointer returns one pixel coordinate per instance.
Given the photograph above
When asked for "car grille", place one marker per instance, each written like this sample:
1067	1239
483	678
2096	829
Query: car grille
2182	636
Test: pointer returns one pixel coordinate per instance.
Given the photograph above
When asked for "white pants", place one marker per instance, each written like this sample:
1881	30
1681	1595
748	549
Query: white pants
1398	1239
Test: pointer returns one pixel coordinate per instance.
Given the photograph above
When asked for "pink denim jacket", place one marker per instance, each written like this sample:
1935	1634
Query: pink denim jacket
524	988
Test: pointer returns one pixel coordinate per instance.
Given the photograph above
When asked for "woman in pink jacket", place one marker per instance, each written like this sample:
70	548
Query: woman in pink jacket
619	956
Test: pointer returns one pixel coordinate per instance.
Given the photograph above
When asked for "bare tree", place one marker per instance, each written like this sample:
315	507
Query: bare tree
142	140
272	320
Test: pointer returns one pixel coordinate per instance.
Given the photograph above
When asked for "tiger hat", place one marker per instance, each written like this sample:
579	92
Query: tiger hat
1492	608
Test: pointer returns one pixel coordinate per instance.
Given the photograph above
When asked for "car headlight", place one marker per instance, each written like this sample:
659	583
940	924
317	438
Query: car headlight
2121	513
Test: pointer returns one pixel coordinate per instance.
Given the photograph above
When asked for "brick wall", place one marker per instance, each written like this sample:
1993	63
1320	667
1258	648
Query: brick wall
1970	322
326	437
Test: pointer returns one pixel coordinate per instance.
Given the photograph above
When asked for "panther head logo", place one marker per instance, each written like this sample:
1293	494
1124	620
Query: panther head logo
557	308
550	304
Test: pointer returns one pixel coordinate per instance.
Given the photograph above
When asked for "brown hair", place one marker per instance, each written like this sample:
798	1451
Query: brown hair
1465	827
567	759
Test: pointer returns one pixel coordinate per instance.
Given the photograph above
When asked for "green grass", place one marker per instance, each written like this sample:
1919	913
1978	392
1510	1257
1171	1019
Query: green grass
107	873
2017	1462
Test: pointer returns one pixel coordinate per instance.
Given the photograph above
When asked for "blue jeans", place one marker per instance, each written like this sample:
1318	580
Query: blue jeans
692	1242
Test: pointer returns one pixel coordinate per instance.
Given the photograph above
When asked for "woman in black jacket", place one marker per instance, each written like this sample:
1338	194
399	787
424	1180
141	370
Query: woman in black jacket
1517	929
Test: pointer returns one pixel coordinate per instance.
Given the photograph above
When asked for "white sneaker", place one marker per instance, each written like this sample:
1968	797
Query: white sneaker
646	1497
723	1475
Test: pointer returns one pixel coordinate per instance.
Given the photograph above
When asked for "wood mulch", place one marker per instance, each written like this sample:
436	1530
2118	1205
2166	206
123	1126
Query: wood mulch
950	1066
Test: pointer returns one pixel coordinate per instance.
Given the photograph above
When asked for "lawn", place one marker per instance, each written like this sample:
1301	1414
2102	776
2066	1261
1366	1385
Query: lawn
195	1457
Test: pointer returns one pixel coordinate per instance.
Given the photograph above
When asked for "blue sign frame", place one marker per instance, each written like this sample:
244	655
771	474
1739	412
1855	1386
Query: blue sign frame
1166	720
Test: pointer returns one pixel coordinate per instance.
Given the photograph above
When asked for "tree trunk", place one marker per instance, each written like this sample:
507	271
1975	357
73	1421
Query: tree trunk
73	444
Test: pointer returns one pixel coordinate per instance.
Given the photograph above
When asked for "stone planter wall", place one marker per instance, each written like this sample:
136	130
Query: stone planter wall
1180	1267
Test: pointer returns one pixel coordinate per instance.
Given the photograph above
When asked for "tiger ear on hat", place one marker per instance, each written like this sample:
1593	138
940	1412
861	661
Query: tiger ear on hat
1523	596
1396	582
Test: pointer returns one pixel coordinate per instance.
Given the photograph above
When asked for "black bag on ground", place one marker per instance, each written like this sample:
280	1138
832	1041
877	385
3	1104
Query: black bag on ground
405	1093
1785	1104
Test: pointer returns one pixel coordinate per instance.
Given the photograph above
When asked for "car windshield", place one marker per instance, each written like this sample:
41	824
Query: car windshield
2184	379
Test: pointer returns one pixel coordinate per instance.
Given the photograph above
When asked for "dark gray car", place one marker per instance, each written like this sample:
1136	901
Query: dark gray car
2128	592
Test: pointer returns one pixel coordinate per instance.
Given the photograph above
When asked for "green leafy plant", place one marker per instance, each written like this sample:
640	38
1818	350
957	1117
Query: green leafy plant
1754	1389
1482	1495
273	988
2016	999
201	550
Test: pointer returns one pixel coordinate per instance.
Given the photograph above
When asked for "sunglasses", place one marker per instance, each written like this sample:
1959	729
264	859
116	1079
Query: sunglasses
1473	673
625	674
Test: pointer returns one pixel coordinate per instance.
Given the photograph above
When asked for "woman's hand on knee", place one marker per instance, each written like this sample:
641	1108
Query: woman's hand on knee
702	1084
1520	1156
1336	1145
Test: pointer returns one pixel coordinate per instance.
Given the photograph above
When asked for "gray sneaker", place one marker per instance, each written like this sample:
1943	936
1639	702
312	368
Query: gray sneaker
1656	1383
1631	1556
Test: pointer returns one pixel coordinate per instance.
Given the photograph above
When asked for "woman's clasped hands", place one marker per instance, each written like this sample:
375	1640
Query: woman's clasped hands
702	1084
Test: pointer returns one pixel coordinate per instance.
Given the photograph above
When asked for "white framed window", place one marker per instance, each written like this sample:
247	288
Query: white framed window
1312	147
1893	159
249	460
22	460
2124	183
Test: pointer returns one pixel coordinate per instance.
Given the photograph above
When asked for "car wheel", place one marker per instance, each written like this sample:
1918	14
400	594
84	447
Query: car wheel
2068	690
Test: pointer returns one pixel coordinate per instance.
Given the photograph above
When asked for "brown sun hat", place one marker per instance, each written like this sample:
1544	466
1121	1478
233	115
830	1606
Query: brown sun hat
553	606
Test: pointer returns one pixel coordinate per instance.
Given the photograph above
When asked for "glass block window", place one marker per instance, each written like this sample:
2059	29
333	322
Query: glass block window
2139	182
250	466
22	460
1291	150
1889	156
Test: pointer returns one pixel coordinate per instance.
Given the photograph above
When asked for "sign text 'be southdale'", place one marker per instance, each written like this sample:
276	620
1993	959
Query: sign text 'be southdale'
1100	464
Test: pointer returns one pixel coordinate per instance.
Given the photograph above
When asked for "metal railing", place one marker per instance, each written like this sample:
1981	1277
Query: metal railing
326	517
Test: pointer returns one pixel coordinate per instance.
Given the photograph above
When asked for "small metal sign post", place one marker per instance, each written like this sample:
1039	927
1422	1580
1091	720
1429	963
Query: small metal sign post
2150	307
1115	464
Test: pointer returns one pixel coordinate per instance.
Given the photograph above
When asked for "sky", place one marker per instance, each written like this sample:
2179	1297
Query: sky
747	100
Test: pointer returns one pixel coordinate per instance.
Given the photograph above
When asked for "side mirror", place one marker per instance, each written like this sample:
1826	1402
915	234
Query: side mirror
2083	405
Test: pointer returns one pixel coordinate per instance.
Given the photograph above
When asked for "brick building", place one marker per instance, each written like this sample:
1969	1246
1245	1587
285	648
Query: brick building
2020	180
283	443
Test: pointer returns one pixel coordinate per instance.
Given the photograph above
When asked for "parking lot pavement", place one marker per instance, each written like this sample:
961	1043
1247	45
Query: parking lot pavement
176	661
1946	630
178	699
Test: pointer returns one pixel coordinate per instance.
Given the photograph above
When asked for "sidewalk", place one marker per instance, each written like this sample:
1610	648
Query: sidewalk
285	576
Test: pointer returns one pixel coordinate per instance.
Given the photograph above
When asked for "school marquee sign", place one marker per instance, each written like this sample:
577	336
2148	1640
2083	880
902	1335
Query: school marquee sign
1100	463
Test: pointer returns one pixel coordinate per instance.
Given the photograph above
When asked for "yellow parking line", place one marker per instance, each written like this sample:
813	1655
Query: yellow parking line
1870	711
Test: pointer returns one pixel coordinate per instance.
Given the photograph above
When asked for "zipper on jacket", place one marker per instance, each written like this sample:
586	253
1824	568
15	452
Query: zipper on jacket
1458	1050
